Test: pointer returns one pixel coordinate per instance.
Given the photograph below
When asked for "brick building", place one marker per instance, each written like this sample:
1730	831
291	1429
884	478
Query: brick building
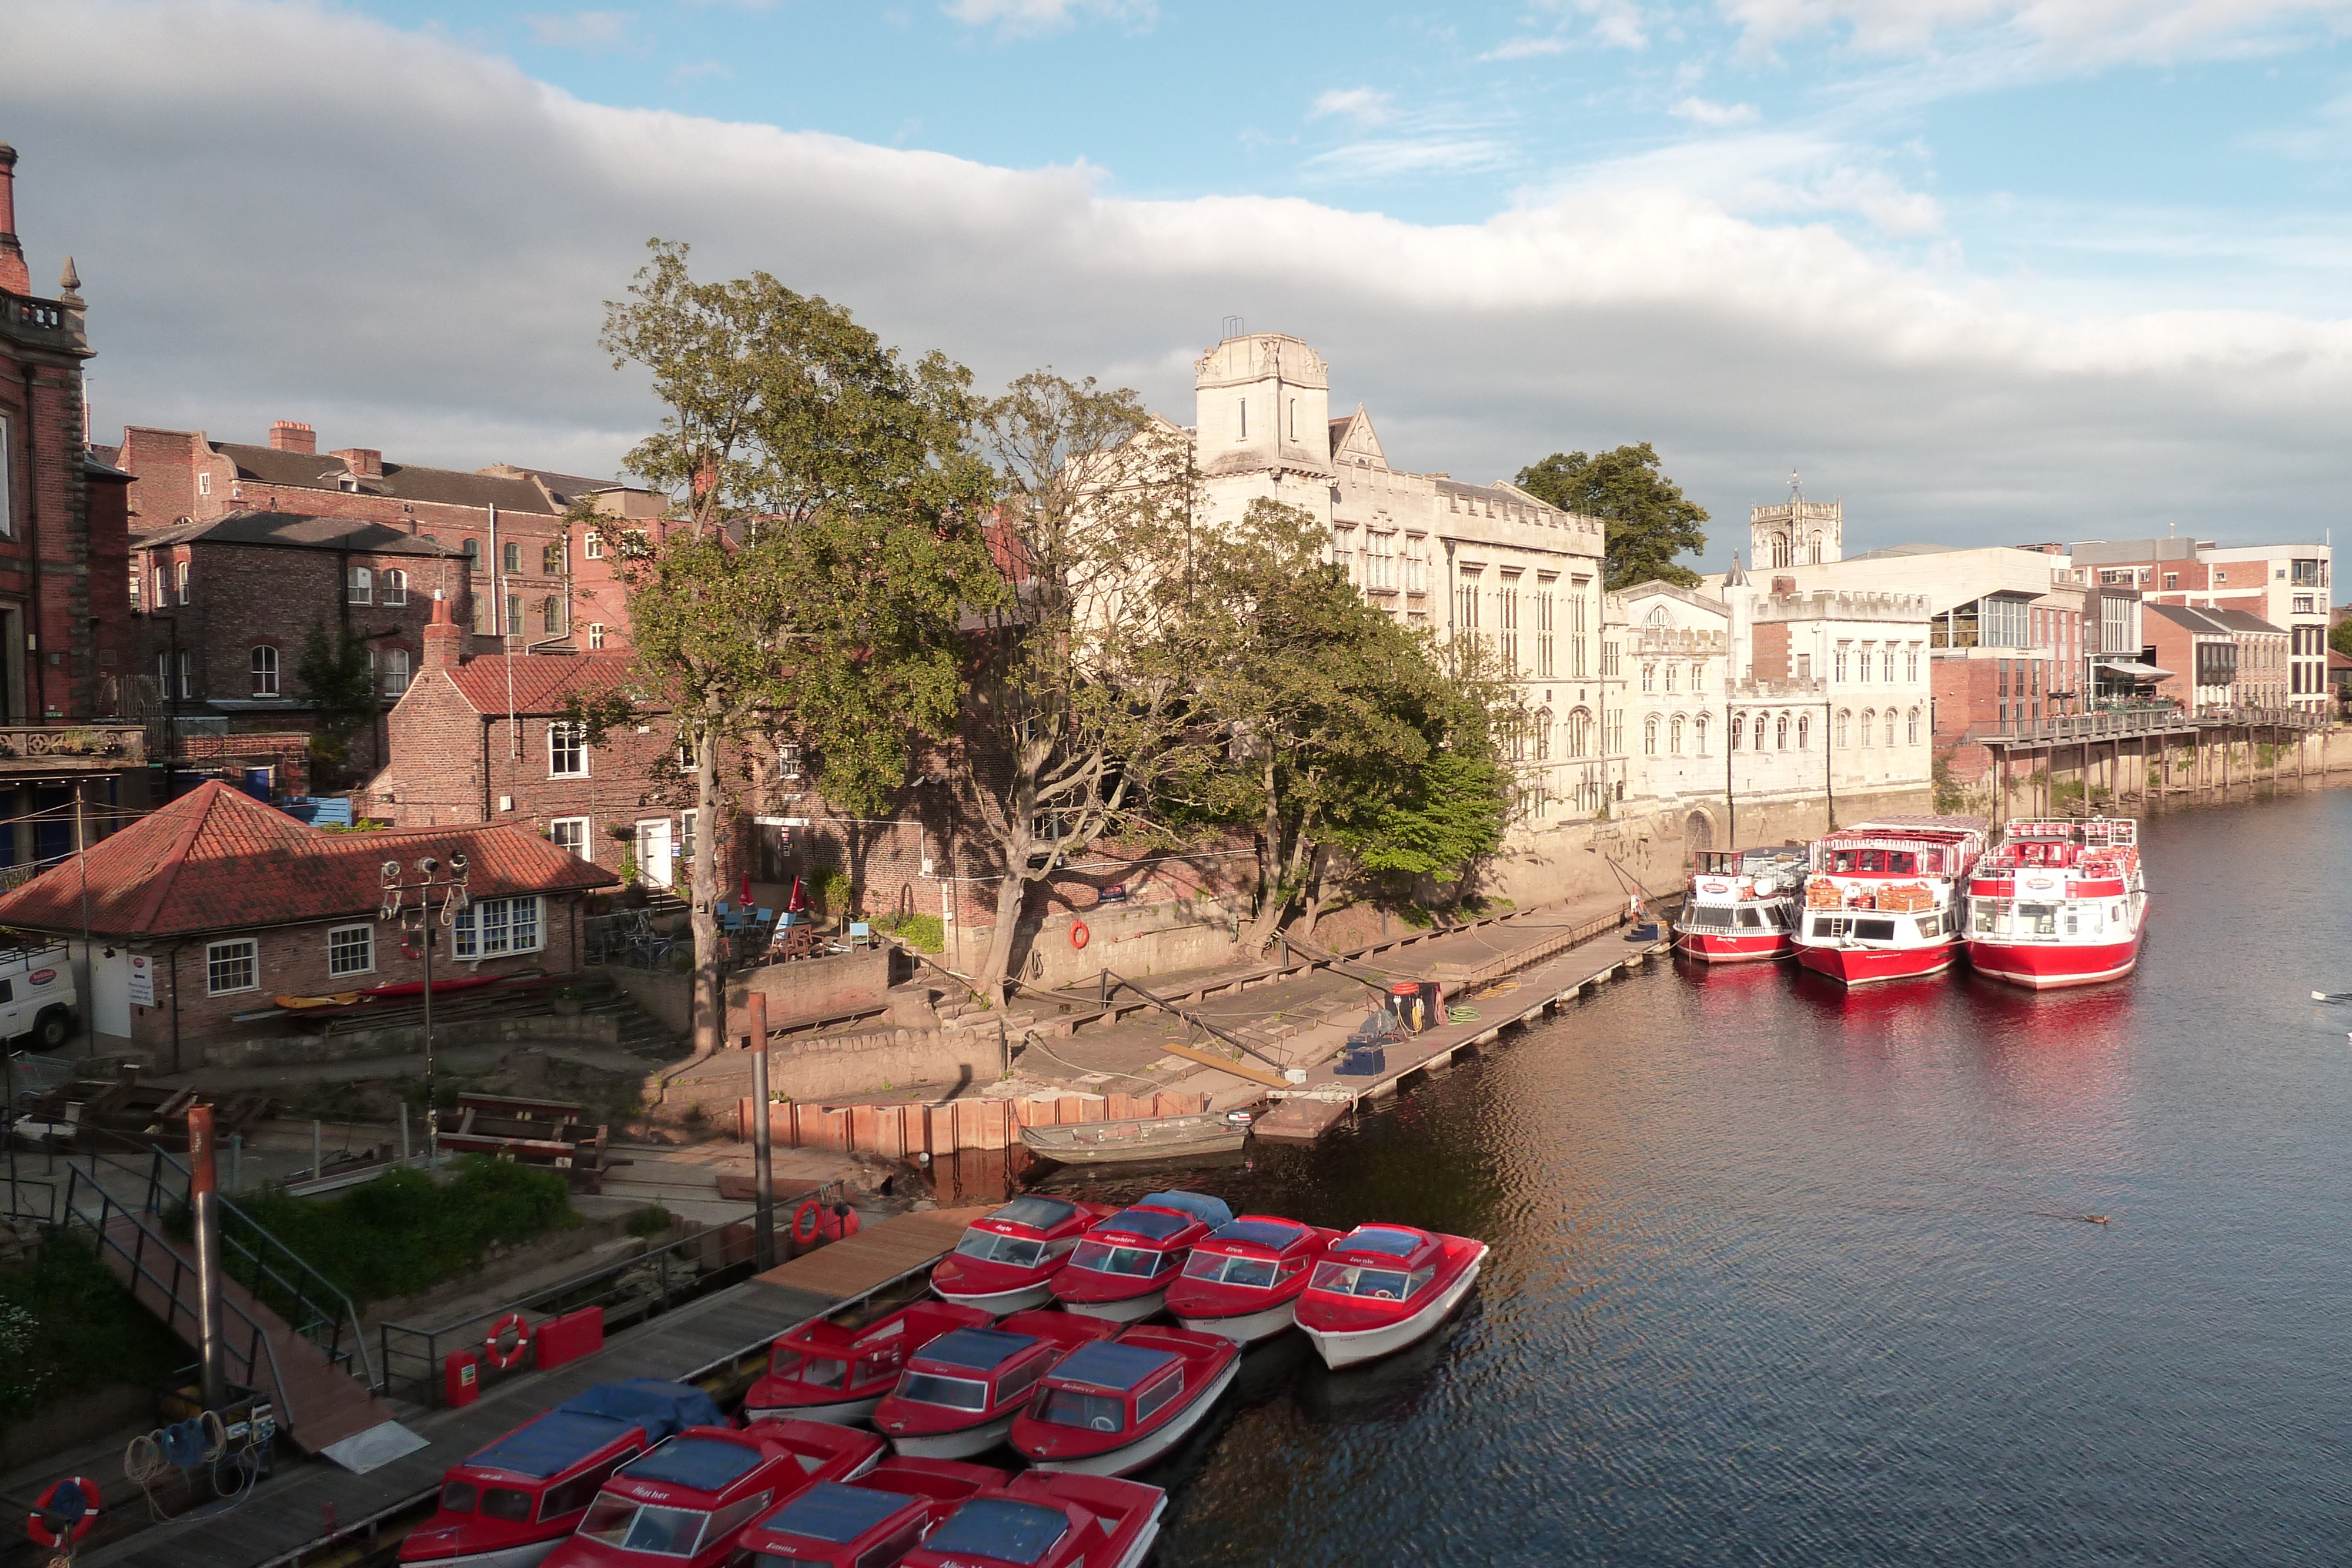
2285	586
224	608
233	902
2216	660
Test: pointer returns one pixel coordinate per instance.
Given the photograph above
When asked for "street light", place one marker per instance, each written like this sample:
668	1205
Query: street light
418	916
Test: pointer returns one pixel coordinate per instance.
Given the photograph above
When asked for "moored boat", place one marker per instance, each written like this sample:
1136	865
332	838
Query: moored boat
1123	1267
821	1372
2059	903
1382	1287
683	1504
959	1393
1741	905
1883	899
1111	1409
1006	1259
870	1522
1049	1521
1136	1138
1244	1280
510	1504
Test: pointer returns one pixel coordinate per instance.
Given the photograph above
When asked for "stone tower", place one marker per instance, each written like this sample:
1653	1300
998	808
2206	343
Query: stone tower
1263	400
1797	532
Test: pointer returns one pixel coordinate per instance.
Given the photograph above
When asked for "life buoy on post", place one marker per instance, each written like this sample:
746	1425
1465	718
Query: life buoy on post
1079	933
505	1359
65	1513
808	1219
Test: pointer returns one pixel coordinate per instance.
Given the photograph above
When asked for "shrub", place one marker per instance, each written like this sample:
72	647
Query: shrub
67	1324
926	932
832	889
650	1220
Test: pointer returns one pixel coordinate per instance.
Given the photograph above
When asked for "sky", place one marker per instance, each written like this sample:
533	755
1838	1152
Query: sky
1987	270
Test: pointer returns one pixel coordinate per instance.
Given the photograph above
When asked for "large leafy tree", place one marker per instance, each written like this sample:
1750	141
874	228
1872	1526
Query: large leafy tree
1650	520
826	541
335	673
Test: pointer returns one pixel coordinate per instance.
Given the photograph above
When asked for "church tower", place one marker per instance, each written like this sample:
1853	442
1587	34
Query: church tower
1263	401
1797	532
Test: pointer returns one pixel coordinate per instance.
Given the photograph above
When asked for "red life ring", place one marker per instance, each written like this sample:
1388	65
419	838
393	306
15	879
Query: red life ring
1079	933
839	1222
505	1359
808	1220
37	1525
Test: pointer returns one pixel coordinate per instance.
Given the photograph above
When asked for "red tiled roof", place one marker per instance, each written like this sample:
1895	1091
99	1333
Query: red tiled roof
541	681
218	860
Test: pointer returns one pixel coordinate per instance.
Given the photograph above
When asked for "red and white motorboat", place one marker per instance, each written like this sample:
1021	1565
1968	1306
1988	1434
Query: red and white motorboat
961	1392
1244	1280
821	1372
1740	907
1382	1287
1049	1521
1885	899
2059	903
1006	1260
510	1504
871	1522
1123	1267
1110	1409
682	1505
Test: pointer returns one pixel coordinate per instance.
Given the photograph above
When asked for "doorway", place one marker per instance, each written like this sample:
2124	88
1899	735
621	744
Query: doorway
653	851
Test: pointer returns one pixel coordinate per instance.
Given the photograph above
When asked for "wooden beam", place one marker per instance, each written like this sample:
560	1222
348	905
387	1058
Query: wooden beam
1242	1070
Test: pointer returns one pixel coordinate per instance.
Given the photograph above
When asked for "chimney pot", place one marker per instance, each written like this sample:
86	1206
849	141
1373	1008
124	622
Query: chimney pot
293	435
445	640
15	277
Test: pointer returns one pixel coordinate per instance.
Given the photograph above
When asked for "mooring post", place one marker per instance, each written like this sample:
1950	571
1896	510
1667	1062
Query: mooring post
206	1202
763	1195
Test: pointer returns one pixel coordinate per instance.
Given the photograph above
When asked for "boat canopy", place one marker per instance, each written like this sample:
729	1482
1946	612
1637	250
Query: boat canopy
1209	1211
1271	1233
580	1426
1000	1529
976	1349
1148	1223
1107	1363
831	1511
706	1464
1385	1239
1035	1212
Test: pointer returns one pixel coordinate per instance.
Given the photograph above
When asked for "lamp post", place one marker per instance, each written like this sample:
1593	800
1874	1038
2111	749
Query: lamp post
412	903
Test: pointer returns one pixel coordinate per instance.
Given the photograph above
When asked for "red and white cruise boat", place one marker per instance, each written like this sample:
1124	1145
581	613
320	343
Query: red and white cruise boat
2059	903
1884	901
1123	1266
1741	906
1382	1287
1006	1259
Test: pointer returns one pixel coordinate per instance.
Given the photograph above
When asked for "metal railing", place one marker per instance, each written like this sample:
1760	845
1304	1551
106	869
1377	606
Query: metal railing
2103	726
2264	718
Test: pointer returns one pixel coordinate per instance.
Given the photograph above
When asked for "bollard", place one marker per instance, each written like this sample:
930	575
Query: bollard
403	1132
317	1156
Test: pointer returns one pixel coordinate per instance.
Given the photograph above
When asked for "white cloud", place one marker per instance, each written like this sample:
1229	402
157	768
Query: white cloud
1527	48
1695	299
2083	31
582	29
1714	115
1042	16
1364	105
1410	155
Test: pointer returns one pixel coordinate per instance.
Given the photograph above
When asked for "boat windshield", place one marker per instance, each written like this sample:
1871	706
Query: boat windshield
510	1504
988	1247
1091	1412
1218	1269
1376	1284
633	1526
816	1370
1134	1262
954	1393
457	1496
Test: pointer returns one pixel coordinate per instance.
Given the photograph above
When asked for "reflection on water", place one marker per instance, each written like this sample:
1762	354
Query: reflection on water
1780	1272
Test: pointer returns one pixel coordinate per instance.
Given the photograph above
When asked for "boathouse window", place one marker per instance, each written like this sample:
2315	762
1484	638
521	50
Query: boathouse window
1147	1403
231	967
490	926
351	950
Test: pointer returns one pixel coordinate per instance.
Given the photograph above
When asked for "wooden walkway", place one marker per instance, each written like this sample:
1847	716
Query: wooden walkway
319	1512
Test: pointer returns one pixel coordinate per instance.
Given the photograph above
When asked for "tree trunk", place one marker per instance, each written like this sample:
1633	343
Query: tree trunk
702	896
1274	856
1012	898
1315	874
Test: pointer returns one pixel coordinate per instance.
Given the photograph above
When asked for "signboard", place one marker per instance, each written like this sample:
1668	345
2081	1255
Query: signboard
143	981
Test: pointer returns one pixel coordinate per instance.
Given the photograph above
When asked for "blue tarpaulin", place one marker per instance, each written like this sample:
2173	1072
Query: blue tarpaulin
1265	1233
978	1349
831	1512
1145	1222
578	1427
676	1405
1209	1211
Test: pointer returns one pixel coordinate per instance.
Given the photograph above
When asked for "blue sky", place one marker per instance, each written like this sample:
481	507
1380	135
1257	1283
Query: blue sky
1986	269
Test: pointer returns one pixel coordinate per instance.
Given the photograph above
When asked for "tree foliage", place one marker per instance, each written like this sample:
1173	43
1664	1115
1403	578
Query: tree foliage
1650	520
336	675
2339	637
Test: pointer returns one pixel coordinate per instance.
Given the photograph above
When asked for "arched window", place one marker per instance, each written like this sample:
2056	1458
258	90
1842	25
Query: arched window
1817	548
265	670
512	558
1780	731
1914	727
1580	734
1842	715
396	587
1699	734
550	615
1675	736
1804	731
1670	676
1890	724
1739	730
362	586
1868	718
1780	549
550	559
1650	736
473	552
1543	734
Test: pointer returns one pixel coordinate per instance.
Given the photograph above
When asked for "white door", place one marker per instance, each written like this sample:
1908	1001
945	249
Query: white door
111	993
653	853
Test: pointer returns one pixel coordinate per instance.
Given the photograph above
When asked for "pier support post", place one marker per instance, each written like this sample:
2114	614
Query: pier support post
764	1171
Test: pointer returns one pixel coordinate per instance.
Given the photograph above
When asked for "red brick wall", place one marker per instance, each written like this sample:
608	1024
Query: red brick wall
1770	645
49	507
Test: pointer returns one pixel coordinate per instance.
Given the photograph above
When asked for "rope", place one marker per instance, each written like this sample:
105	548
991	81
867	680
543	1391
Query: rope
1029	1042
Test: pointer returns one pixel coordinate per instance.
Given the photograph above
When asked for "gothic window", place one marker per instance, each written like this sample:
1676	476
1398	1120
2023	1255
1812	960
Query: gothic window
1867	720
1739	730
1817	548
1580	734
1890	726
1543	734
1914	727
1841	718
1804	731
1675	736
1649	677
1781	732
1650	736
1698	735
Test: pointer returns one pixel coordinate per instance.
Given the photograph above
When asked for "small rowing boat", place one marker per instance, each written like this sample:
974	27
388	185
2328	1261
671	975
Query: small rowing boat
1136	1138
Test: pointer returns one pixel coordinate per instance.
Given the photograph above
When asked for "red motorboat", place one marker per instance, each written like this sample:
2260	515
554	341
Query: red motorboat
1883	899
1111	1409
869	1522
1244	1280
2059	903
961	1392
1123	1267
1007	1260
1382	1287
510	1504
1049	1521
1741	905
822	1372
682	1505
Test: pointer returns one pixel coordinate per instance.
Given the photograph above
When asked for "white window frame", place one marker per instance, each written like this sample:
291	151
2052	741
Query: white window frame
562	730
596	635
593	546
587	829
395	586
360	588
203	484
180	580
397	669
219	953
188	675
486	926
265	670
366	934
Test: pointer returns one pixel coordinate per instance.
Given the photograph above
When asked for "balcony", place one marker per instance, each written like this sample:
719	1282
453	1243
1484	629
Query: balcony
74	749
42	323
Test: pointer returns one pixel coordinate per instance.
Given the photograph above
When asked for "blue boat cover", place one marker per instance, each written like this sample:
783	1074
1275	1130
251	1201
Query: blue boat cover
831	1512
1037	1213
1264	1233
1110	1365
1382	1239
1000	1528
1209	1211
976	1349
1147	1223
578	1427
706	1464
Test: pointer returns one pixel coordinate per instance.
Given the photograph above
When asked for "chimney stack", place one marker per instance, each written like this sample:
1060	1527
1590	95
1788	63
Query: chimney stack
293	435
365	462
445	640
15	276
1783	586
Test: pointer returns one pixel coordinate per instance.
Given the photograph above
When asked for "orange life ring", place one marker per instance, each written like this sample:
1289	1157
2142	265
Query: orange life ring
37	1525
1079	933
808	1220
505	1359
839	1223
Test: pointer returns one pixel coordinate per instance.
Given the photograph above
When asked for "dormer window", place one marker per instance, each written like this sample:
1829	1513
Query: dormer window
349	483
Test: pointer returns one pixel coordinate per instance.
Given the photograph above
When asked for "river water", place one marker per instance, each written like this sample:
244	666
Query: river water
1781	1275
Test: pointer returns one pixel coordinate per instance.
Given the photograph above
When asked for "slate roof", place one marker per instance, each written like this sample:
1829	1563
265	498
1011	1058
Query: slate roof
541	681
218	860
401	481
299	531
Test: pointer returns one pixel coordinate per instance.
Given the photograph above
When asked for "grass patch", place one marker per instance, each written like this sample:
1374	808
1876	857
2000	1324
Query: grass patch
927	931
650	1220
67	1325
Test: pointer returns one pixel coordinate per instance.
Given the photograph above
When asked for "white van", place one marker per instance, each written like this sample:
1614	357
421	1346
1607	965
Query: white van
37	995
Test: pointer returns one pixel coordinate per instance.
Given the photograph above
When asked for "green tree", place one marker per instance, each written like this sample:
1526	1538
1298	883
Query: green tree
825	541
340	682
2339	637
1650	520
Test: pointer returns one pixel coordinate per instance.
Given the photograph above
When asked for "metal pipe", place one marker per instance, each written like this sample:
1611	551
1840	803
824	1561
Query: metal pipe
764	1196
318	1151
206	1201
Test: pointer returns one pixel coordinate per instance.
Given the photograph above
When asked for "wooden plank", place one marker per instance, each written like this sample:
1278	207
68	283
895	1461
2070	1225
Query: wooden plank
1242	1070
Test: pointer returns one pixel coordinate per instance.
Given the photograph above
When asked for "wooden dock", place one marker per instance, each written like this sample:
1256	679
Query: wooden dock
318	1514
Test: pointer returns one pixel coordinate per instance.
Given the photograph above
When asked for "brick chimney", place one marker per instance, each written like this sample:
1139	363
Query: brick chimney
365	462
1783	586
293	435
445	640
15	276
